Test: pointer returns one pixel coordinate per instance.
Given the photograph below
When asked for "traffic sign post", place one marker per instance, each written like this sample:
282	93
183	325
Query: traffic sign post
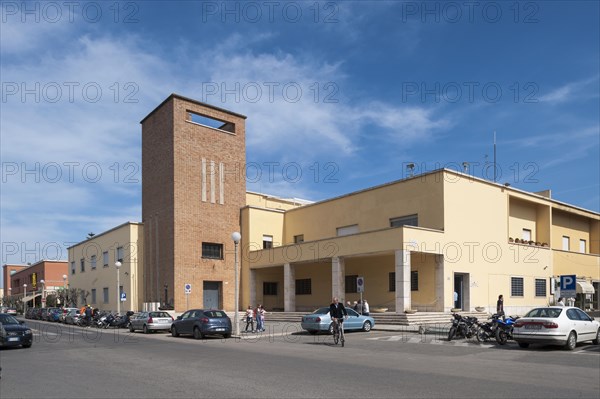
123	296
568	286
188	290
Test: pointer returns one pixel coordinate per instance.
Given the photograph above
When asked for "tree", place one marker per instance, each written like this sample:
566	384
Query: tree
51	300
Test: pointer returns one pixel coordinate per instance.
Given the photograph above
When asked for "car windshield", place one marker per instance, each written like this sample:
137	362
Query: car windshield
159	314
321	311
544	312
8	319
214	313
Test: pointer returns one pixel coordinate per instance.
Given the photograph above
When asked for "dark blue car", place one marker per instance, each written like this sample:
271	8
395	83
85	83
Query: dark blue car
14	332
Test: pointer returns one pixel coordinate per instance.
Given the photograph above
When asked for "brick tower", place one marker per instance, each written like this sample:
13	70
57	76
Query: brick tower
192	191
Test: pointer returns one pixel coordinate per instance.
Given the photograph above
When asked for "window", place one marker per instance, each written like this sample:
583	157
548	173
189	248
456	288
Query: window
566	243
119	255
83	298
392	282
414	281
540	287
526	234
212	251
82	264
351	284
299	239
269	288
516	286
72	267
267	242
582	246
93	261
93	295
303	286
347	230
105	292
211	122
409	220
105	258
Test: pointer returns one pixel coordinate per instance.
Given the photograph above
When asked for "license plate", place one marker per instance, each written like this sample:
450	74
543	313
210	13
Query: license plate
533	326
219	329
13	339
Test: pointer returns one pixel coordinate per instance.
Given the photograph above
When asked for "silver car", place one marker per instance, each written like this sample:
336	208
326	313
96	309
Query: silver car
150	321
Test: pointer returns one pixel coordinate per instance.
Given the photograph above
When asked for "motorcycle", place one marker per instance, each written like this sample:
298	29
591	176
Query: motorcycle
487	330
505	329
462	327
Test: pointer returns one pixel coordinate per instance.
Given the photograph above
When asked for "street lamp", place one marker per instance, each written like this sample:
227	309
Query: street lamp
43	282
118	266
236	237
24	301
65	290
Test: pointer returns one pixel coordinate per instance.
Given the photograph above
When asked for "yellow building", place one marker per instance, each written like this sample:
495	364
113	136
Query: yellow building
419	243
92	268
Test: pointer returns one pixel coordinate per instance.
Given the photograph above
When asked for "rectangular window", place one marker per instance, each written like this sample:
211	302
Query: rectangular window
105	293
582	246
303	286
566	243
82	264
414	281
347	230
211	122
105	258
351	284
93	261
83	298
516	286
269	288
93	296
267	242
212	251
409	220
119	255
299	239
540	287
392	282
72	267
526	234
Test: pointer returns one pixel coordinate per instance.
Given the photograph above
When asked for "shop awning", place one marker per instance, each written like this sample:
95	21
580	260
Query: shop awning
29	298
583	287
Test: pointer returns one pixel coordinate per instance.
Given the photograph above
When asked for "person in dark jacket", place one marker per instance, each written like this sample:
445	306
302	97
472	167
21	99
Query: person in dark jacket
337	310
500	305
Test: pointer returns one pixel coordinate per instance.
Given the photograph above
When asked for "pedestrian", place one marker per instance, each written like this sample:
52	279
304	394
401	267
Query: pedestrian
455	300
500	305
258	318
262	317
365	308
560	302
359	307
355	307
249	319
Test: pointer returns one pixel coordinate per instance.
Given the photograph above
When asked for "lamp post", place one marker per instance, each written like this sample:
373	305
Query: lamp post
25	296
118	266
236	239
65	290
43	301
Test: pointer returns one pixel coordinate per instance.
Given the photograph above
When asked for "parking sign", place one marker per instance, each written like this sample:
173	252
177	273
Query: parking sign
568	286
188	288
360	284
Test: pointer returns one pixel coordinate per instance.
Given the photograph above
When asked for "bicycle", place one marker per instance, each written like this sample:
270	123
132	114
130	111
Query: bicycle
338	333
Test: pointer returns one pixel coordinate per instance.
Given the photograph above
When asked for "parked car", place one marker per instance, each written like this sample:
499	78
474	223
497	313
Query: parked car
150	321
556	325
64	313
72	316
44	314
202	322
53	314
11	311
320	321
14	332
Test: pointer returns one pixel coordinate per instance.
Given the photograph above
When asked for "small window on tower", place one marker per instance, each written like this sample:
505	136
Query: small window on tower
211	122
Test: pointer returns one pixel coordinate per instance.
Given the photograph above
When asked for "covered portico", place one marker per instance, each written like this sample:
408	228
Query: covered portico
320	269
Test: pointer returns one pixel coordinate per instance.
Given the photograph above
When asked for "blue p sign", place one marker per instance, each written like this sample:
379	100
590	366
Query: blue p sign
568	286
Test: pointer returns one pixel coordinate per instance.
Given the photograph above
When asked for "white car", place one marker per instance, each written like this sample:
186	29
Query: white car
556	325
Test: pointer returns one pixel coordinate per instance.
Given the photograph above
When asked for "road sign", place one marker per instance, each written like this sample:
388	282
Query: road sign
123	296
568	286
188	288
360	284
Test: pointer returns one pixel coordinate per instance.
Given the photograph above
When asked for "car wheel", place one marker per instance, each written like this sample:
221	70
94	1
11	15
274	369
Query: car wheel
523	345
174	332
131	329
597	340
367	326
330	329
197	333
571	341
451	333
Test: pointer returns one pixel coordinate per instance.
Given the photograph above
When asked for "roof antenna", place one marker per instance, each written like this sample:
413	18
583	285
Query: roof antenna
465	166
411	168
494	156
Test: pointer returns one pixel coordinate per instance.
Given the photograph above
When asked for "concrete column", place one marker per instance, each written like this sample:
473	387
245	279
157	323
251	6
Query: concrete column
338	278
440	278
402	281
289	288
252	284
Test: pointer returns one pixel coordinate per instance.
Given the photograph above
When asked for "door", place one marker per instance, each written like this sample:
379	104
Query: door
212	290
458	294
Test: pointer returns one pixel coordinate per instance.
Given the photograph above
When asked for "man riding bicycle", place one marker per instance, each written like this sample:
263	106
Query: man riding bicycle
338	313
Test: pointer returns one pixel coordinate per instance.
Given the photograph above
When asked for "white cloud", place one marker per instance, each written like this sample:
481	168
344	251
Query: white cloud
579	90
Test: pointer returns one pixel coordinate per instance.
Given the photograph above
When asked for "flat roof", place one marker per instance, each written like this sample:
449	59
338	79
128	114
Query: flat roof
106	232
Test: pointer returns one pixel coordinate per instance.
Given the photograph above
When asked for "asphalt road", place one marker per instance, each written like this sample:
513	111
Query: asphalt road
70	362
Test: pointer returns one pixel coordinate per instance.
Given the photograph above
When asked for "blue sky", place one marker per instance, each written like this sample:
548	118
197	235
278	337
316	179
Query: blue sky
347	93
